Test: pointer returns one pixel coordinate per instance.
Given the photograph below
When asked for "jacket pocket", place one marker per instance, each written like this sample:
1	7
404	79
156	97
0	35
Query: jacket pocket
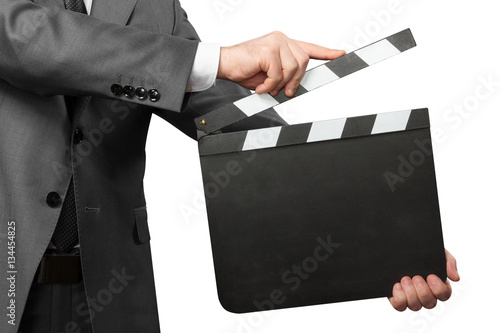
141	223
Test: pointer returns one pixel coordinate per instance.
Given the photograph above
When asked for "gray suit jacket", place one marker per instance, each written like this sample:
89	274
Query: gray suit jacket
47	52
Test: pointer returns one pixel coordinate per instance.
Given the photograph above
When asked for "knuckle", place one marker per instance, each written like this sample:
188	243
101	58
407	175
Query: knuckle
304	60
447	295
441	290
430	304
294	67
415	307
400	304
401	308
443	295
275	83
396	302
426	295
269	49
276	37
304	56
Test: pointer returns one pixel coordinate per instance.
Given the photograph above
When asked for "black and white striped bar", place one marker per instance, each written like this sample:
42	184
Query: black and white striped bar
313	79
335	129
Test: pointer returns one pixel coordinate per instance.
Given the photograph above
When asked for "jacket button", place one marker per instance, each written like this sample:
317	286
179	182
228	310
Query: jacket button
128	91
154	95
78	136
141	93
53	199
117	89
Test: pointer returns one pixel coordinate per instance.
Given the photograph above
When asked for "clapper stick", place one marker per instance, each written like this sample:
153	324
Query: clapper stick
334	129
313	79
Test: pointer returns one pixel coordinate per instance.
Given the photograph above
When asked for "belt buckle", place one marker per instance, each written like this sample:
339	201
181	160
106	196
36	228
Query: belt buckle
57	268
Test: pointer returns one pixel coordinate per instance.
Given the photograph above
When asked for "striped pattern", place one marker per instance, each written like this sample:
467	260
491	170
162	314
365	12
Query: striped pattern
314	132
313	79
262	138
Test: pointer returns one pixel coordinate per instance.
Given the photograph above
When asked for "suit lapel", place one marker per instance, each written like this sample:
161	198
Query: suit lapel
113	11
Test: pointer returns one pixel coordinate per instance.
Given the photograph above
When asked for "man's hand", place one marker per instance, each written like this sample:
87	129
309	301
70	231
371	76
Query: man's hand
271	62
417	293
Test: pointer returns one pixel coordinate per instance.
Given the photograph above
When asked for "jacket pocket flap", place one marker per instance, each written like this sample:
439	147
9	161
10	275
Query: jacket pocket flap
141	222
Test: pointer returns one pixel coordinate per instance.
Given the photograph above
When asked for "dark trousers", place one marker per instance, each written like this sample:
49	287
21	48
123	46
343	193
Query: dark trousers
56	308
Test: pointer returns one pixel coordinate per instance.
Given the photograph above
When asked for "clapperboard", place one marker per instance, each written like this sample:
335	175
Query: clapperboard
321	212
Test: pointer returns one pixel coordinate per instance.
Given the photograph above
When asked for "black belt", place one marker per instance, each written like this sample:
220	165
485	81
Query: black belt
59	268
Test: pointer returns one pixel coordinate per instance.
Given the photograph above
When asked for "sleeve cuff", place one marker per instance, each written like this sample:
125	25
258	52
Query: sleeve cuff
205	67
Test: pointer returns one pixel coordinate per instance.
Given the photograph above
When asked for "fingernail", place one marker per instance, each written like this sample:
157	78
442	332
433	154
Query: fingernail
398	287
432	279
407	282
291	92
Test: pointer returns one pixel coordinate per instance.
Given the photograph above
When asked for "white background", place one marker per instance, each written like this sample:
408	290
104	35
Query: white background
457	50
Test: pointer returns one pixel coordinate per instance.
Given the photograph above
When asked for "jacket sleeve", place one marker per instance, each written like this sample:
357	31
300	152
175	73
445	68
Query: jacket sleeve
51	51
199	103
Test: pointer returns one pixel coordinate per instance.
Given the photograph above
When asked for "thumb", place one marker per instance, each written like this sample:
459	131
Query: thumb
451	267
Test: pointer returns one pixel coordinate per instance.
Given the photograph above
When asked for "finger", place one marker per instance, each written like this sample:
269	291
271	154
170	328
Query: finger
302	60
289	67
411	294
424	293
440	289
398	299
451	267
272	67
319	52
254	81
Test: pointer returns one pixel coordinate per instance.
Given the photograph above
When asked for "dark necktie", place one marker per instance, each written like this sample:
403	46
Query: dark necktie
65	235
75	5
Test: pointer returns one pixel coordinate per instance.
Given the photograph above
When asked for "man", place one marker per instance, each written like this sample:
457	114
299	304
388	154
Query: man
77	93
